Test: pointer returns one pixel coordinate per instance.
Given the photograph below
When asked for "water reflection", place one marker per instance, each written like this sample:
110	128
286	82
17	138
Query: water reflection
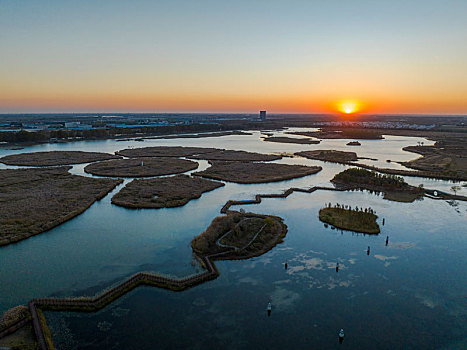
418	275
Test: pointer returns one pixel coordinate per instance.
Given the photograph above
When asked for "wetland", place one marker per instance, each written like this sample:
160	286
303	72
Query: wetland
417	276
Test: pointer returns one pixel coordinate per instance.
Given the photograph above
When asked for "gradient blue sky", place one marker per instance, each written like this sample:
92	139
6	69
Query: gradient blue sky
233	56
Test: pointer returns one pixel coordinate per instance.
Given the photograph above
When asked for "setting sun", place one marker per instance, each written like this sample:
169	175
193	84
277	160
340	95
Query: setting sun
348	107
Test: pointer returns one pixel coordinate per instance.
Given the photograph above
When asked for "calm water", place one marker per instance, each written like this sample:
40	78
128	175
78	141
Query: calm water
410	294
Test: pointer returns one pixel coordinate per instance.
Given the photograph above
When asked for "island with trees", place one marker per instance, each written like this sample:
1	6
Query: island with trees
393	187
361	220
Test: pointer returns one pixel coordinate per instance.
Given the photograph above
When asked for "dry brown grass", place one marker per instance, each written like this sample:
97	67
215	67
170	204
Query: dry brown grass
22	339
229	155
448	156
163	151
165	192
14	315
273	233
249	172
329	155
141	167
35	200
55	158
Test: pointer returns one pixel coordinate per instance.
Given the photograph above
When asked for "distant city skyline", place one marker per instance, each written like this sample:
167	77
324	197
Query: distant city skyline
233	57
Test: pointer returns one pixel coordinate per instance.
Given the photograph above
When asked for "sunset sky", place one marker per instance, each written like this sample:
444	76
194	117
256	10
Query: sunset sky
405	56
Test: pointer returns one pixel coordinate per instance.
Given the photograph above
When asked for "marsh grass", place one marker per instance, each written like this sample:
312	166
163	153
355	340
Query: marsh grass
141	167
250	172
329	155
166	192
273	233
281	139
35	200
55	158
163	151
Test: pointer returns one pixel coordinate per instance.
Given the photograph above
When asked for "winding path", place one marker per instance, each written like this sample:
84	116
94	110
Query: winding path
95	303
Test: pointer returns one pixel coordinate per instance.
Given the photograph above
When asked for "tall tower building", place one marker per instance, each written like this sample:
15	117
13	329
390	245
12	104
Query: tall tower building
262	115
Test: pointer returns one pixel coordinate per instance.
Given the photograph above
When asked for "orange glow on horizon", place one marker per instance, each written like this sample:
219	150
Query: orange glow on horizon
348	107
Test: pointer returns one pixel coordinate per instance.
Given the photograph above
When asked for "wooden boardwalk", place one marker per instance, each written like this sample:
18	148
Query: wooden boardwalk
91	304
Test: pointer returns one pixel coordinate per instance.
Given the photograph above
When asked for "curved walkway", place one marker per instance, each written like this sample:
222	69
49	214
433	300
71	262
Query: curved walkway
95	303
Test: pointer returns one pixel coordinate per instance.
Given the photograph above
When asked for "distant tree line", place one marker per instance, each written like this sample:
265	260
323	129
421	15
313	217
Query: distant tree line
110	132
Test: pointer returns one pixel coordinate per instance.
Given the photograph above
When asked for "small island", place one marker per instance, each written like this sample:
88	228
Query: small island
55	158
164	192
393	187
239	236
163	151
141	167
343	133
281	139
357	220
35	200
230	155
250	172
353	143
197	153
329	155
